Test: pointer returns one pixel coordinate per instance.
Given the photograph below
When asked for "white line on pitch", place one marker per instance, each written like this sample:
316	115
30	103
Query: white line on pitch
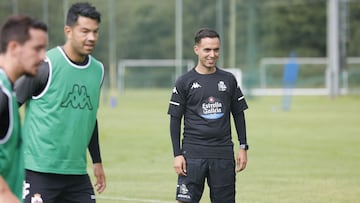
132	199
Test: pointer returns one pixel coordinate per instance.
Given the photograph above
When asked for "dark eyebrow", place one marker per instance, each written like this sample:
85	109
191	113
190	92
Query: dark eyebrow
216	49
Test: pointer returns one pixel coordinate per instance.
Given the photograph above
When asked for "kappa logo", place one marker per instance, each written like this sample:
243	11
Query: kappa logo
77	98
195	85
174	91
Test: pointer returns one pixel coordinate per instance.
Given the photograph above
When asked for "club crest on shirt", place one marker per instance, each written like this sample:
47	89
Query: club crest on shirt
221	86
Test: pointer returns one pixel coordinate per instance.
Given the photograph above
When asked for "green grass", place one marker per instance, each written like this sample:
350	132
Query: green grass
310	154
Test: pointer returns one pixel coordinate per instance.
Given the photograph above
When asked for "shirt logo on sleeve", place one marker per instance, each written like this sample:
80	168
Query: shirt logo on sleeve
174	91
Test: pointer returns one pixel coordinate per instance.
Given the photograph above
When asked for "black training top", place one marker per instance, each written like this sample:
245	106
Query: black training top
4	114
206	101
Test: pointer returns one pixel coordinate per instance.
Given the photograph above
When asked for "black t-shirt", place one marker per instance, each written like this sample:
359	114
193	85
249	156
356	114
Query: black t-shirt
206	101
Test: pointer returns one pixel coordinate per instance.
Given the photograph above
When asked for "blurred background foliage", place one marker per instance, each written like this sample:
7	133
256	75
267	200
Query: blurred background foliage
145	29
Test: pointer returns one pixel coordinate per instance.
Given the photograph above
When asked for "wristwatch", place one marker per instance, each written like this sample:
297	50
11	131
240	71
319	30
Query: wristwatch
244	146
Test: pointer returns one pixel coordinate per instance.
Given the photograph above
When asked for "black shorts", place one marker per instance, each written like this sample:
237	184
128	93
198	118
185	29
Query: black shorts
58	188
220	175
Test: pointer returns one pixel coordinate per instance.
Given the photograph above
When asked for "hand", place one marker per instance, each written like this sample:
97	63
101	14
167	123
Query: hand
180	165
241	160
8	197
5	193
100	177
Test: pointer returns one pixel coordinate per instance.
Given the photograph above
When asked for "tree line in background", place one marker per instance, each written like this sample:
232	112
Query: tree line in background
145	29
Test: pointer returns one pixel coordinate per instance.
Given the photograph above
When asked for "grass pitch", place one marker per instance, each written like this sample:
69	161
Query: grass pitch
309	154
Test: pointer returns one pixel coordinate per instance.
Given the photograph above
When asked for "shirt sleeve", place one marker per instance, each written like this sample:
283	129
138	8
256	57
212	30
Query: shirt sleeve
176	111
28	86
175	129
240	126
238	103
3	102
4	115
177	102
94	147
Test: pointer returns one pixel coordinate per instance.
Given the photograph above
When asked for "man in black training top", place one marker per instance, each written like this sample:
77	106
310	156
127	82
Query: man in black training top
205	96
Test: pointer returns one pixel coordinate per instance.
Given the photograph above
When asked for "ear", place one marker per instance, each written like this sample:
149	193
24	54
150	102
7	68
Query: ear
196	49
12	47
67	31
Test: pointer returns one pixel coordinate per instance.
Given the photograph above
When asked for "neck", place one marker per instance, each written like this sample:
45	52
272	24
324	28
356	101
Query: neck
11	71
72	55
205	70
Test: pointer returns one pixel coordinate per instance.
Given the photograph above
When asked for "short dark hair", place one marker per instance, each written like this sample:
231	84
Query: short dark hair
16	28
82	9
205	32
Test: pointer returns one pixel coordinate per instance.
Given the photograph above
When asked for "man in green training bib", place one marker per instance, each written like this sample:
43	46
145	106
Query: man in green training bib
60	119
23	45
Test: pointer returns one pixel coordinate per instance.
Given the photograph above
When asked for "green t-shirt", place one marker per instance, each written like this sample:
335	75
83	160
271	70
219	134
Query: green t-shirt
59	122
11	148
